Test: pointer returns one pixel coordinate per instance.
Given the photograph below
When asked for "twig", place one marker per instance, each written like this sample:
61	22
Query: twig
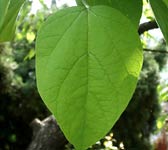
147	26
155	51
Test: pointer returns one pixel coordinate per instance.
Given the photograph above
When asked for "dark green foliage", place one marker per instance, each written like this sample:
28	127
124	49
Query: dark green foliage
20	102
139	119
161	58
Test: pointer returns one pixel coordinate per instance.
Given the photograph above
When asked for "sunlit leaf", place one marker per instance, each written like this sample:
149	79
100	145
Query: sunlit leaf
161	121
30	55
87	67
30	36
7	29
163	91
160	9
3	9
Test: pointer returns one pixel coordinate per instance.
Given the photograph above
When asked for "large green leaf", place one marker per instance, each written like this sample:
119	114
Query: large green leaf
7	29
87	66
3	9
160	9
131	8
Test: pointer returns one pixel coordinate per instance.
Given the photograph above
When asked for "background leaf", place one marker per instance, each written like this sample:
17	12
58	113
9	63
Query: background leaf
3	8
87	69
7	29
160	9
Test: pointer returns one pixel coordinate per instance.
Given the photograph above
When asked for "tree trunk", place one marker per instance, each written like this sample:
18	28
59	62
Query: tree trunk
47	135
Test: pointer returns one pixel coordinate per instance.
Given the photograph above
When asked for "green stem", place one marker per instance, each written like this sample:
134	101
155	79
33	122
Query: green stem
82	3
85	3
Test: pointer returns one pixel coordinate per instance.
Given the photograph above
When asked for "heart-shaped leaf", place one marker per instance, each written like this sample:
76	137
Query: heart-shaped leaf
160	9
87	66
7	28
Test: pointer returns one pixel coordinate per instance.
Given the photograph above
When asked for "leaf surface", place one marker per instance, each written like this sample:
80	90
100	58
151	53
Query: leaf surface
3	8
160	9
130	8
7	29
87	69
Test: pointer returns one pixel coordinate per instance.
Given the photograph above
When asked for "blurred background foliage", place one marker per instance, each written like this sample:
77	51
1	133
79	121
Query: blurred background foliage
20	102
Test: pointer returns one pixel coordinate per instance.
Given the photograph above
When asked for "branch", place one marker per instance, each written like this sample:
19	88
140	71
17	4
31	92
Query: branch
147	26
155	51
